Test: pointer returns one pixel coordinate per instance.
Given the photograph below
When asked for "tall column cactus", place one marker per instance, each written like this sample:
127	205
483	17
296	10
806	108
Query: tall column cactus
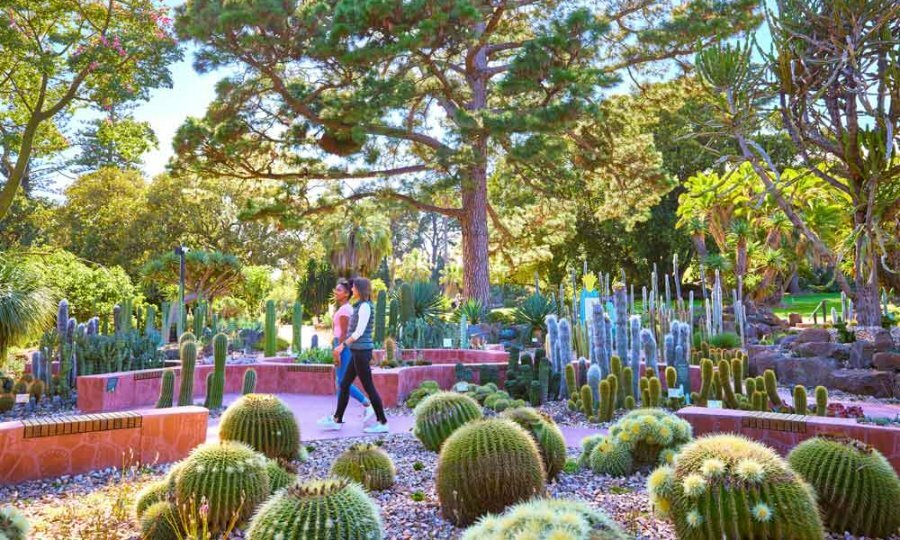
249	383
407	304
648	344
600	344
564	353
188	362
635	327
380	313
620	298
166	390
393	320
271	331
165	323
463	332
297	328
217	384
150	320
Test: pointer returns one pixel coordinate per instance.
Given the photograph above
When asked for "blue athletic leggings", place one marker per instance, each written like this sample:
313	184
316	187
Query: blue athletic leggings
355	392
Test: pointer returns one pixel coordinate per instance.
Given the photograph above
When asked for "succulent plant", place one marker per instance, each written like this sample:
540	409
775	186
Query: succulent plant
160	521
486	466
281	474
231	478
185	337
821	401
800	401
188	353
546	518
546	434
7	402
587	401
249	383
216	387
610	457
366	464
297	327
271	332
152	493
771	386
856	487
439	415
265	423
650	436
330	509
726	486
166	389
13	525
587	445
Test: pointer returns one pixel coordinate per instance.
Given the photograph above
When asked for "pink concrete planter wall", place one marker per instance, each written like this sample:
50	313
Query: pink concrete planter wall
395	385
704	420
47	448
450	356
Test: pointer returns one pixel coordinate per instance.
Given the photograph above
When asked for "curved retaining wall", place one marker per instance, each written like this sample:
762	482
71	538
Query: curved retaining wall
51	447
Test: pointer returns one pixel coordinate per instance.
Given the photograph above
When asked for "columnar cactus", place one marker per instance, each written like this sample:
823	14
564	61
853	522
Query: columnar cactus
821	401
393	321
407	304
439	415
724	380
271	331
217	384
544	370
856	487
587	401
725	486
628	383
635	327
737	374
571	382
607	401
323	509
229	475
593	378
185	337
297	327
249	383
565	356
188	362
771	386
166	389
600	345
486	466
620	299
648	344
380	315
546	518
546	434
800	401
367	464
263	422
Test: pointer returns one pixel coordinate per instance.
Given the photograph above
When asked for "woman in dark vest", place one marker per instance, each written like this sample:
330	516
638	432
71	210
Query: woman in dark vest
360	345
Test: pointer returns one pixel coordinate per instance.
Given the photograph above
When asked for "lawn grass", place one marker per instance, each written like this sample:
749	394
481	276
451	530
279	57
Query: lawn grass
806	302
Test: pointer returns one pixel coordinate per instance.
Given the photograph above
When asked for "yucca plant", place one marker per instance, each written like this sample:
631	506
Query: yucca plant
858	490
472	308
26	306
534	310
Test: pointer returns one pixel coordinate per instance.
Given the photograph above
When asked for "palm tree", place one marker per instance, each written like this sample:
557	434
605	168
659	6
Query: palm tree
26	306
357	242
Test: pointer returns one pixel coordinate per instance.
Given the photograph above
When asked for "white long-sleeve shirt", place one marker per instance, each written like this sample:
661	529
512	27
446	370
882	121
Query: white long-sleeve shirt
365	311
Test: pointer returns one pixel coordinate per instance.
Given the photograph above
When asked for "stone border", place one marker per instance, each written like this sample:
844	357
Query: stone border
66	445
785	431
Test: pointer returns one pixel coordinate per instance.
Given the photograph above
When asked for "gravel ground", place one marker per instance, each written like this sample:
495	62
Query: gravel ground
47	408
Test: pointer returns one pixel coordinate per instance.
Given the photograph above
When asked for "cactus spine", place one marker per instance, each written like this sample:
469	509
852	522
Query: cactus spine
249	383
440	414
217	384
271	336
166	389
263	422
188	362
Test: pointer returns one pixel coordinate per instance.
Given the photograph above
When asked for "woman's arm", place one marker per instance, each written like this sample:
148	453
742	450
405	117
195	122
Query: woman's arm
343	323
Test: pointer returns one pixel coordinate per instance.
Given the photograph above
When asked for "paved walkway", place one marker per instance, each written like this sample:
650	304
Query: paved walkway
309	408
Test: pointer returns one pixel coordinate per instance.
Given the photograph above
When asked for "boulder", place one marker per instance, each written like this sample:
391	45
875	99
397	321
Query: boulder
813	371
794	319
886	361
861	353
883	341
838	351
762	360
863	382
787	340
810	335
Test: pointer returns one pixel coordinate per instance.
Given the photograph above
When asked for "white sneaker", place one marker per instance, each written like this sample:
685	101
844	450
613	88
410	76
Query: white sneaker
325	420
368	414
377	427
331	425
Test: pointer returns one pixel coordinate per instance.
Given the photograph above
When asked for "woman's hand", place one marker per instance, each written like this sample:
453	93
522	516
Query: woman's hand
337	357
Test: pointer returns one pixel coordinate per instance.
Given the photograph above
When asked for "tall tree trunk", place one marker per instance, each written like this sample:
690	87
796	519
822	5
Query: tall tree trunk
867	306
476	269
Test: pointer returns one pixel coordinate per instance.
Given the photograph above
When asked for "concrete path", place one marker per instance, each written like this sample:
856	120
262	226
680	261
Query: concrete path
309	408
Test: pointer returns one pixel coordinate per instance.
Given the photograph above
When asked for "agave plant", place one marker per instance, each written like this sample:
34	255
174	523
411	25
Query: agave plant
534	310
26	306
472	308
427	300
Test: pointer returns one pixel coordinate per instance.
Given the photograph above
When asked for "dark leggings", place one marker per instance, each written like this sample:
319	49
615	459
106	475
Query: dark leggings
359	366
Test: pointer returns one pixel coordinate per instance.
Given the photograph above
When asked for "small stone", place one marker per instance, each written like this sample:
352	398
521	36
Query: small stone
812	334
886	361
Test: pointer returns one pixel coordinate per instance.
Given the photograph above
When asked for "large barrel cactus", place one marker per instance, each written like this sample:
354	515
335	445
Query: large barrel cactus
13	525
546	434
858	490
230	476
152	493
608	456
332	509
726	486
265	423
281	473
652	435
486	466
367	464
546	518
439	415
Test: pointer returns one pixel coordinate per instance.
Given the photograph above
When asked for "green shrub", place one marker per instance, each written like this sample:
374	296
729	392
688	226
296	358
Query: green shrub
725	340
441	414
546	518
265	423
485	466
726	486
857	489
232	478
335	508
367	464
546	434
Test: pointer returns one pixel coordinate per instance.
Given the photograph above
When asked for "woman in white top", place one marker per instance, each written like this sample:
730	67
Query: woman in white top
341	324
